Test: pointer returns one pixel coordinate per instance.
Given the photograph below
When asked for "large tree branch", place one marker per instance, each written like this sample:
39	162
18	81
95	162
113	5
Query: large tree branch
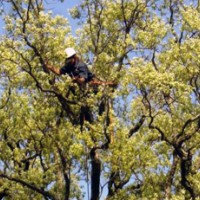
137	126
187	123
163	137
4	193
171	20
47	195
65	164
17	9
186	164
151	126
185	156
170	176
95	174
65	170
153	60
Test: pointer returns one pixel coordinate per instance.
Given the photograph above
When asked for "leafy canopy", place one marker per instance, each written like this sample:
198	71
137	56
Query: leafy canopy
144	133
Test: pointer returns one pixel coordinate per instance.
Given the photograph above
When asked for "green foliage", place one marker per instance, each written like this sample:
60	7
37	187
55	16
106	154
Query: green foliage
147	138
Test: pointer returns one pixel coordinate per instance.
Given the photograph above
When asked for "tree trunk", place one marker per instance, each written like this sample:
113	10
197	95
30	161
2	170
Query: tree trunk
95	175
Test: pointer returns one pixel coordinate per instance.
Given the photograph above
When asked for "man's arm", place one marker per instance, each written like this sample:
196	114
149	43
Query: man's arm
54	69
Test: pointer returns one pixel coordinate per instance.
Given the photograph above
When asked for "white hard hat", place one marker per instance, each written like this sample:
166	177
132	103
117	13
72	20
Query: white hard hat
70	52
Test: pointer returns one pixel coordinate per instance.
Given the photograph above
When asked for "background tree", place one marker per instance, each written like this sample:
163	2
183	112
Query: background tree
143	143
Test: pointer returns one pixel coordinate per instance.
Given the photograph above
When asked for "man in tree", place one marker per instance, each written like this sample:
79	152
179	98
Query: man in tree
74	67
80	74
78	71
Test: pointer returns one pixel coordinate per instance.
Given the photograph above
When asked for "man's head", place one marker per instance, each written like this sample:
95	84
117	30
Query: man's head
71	57
70	52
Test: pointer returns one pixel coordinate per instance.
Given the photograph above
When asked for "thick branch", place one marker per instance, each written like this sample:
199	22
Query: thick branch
187	123
95	174
171	21
3	194
29	185
186	163
153	60
171	176
65	172
137	126
151	126
160	131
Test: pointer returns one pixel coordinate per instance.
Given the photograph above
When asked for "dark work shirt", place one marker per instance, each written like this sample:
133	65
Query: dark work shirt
79	69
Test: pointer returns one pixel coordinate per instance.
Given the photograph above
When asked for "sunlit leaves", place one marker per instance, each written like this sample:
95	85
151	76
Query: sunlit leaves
153	33
151	50
190	18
